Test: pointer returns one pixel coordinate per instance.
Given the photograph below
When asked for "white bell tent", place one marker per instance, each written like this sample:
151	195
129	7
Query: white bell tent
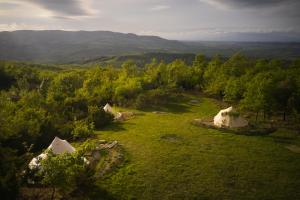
107	108
58	146
230	119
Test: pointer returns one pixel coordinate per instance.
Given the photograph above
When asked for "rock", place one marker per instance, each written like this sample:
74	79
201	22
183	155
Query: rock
159	112
293	148
111	145
101	141
194	101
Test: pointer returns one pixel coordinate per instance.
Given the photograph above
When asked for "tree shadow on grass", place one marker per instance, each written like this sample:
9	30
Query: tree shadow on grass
283	139
285	136
115	127
97	192
175	108
178	108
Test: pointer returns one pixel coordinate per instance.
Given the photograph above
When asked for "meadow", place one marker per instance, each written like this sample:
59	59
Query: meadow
167	157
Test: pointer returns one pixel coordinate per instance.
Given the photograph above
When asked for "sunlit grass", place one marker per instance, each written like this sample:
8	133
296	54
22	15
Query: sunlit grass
169	158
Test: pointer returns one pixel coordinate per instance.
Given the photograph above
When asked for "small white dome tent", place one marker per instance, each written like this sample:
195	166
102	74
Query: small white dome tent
230	119
58	146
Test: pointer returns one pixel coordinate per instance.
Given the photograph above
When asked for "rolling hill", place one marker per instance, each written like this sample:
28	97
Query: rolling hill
66	46
54	46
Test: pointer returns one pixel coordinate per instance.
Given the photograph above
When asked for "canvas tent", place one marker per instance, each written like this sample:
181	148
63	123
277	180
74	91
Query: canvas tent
58	146
230	119
117	115
107	108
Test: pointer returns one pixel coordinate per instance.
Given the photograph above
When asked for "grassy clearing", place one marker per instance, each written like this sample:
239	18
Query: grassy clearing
169	158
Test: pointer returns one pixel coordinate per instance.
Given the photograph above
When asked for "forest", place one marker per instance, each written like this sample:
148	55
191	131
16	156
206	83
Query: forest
39	102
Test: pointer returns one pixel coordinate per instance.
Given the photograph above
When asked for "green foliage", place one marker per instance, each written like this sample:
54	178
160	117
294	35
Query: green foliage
178	75
99	117
150	98
83	129
258	93
9	182
64	85
234	90
126	91
129	69
214	78
37	104
5	79
65	173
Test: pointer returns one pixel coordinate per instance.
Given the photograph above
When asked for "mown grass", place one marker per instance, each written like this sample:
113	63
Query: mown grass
169	158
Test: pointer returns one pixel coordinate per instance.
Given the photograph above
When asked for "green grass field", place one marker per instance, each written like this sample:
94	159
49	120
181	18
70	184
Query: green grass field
169	158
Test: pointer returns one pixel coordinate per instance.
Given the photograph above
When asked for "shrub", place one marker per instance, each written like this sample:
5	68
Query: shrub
151	97
83	129
67	174
99	117
127	91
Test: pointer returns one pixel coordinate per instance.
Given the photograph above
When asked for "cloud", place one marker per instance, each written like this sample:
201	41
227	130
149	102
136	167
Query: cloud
64	7
248	3
223	34
22	26
8	5
174	19
159	7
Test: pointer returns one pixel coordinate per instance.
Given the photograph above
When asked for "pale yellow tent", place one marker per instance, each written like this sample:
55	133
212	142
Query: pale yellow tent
230	119
58	146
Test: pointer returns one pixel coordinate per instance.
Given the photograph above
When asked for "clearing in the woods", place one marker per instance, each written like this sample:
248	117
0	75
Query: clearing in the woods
167	157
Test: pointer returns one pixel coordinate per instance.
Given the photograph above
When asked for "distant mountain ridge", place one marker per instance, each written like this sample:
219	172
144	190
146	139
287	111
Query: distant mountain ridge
56	46
67	46
273	36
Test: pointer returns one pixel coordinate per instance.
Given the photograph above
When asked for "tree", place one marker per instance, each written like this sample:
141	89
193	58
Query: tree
258	94
62	172
64	85
99	117
129	69
233	90
6	80
214	78
9	180
178	74
283	93
198	68
126	92
236	65
83	129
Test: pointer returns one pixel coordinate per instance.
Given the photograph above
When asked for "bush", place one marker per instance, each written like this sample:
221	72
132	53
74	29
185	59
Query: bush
83	129
99	117
66	173
127	91
152	97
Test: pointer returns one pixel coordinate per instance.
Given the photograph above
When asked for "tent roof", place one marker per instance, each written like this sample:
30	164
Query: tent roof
108	108
59	146
230	109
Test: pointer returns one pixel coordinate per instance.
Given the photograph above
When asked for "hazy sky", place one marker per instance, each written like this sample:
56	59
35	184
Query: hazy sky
173	19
